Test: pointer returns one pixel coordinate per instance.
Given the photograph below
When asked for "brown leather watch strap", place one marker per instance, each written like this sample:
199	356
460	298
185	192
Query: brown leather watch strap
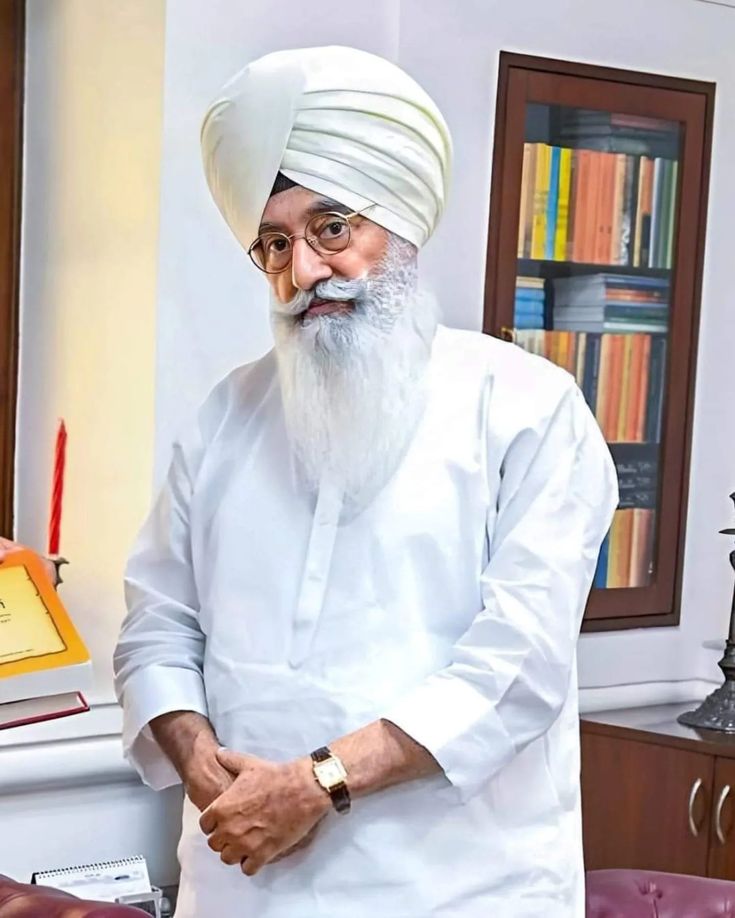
341	799
340	793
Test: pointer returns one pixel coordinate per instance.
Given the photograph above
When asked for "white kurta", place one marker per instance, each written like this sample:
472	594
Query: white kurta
451	607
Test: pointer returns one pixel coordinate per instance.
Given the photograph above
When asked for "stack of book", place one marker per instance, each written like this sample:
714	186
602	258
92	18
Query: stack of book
621	376
529	302
597	207
611	303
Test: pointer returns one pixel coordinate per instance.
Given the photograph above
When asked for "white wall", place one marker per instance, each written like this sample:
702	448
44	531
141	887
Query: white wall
94	74
212	306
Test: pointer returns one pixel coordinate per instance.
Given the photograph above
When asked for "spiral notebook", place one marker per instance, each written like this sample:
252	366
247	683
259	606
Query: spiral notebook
106	880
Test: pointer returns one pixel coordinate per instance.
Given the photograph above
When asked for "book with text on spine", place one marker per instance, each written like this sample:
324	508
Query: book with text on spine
44	664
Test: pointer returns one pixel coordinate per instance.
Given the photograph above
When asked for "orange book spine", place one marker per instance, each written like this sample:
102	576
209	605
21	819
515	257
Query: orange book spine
573	195
554	347
525	182
640	414
603	381
566	349
581	205
610	427
626	388
634	394
621	164
594	192
624	547
603	227
640	548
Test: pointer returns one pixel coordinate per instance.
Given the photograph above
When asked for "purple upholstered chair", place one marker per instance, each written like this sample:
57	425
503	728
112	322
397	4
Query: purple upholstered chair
22	900
650	894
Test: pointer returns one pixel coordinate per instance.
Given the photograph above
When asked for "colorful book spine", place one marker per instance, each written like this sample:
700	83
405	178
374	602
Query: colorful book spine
562	220
552	203
540	201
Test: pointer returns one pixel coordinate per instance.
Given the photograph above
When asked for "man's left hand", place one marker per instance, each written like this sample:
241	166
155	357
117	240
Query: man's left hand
269	809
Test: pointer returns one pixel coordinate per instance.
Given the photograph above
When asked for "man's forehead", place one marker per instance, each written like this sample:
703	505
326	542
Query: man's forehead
295	206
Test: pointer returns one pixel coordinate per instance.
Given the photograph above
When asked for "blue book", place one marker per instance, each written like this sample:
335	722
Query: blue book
524	322
552	203
534	309
591	369
600	580
527	297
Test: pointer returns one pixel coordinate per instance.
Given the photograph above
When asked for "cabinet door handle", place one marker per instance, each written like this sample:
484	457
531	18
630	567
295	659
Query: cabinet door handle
722	838
696	788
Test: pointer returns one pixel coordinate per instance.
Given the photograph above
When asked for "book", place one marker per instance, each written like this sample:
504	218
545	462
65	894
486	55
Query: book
600	578
562	219
540	200
41	653
103	881
552	203
47	707
526	187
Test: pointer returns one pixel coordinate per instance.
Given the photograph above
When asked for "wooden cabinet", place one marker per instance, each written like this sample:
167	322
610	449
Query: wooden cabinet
657	795
595	251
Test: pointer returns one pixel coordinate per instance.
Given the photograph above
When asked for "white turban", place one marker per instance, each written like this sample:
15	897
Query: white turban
341	122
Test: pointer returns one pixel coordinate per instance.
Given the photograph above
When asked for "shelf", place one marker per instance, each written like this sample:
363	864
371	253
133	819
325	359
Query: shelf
640	381
534	267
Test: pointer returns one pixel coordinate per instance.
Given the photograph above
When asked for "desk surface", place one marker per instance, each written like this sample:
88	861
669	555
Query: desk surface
658	724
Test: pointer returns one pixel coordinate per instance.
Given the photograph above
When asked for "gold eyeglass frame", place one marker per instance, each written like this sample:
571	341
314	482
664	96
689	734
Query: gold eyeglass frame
311	241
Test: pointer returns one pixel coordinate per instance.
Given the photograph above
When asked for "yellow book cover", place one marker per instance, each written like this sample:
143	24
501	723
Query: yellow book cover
626	389
37	636
540	200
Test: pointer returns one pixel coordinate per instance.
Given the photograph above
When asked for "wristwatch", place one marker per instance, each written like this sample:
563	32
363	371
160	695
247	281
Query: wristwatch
330	774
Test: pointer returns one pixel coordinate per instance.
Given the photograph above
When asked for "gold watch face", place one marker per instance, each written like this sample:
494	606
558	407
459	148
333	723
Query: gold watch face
330	773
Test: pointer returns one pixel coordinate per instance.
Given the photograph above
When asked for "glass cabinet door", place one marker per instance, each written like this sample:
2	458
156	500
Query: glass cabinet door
596	269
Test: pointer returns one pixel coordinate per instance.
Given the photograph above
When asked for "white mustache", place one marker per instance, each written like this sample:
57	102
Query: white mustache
335	289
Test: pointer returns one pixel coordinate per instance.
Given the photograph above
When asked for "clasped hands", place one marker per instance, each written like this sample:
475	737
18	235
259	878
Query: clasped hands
268	810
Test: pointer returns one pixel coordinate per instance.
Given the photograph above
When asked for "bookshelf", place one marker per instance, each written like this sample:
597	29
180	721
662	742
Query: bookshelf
595	252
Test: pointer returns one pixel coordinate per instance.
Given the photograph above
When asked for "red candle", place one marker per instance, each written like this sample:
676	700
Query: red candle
57	491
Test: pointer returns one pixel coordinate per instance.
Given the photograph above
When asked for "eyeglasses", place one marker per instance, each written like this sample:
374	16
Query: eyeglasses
326	233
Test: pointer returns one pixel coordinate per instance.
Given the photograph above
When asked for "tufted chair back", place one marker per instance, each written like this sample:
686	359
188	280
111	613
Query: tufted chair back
650	894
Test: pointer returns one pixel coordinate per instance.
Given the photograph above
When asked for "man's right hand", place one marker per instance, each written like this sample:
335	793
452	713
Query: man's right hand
188	739
205	779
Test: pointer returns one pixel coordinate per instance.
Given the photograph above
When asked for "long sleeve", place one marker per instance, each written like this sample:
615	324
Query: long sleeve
510	672
158	658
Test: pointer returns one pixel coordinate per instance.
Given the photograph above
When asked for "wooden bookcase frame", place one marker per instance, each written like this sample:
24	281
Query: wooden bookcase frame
12	37
524	79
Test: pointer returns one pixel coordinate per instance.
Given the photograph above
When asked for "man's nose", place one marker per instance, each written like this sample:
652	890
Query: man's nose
307	266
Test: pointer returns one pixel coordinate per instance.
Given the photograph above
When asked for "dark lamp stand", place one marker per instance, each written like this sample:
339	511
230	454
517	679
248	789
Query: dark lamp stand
717	711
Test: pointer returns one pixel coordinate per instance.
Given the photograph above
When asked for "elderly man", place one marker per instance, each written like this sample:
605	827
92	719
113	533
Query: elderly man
354	608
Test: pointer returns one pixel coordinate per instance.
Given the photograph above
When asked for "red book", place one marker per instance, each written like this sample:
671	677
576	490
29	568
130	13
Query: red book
34	710
594	190
605	203
581	205
610	427
635	383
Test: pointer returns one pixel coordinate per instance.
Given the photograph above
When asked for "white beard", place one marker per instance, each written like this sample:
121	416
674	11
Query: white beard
353	384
